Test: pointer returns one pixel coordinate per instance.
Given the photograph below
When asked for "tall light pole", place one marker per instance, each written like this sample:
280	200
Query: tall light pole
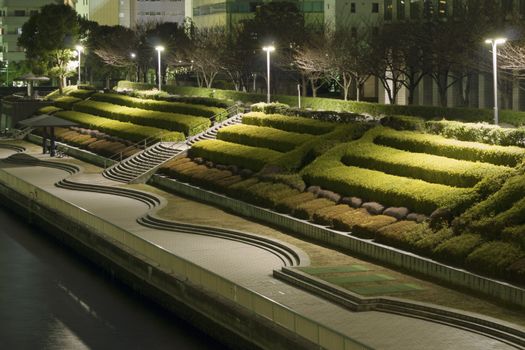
268	50
79	49
159	50
133	57
495	43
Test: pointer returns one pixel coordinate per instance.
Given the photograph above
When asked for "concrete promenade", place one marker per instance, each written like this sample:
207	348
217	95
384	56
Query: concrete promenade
251	267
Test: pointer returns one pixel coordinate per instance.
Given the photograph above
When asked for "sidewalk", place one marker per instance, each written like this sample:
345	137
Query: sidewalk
248	265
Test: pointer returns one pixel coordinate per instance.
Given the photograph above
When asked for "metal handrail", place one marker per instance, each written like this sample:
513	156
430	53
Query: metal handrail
230	112
145	143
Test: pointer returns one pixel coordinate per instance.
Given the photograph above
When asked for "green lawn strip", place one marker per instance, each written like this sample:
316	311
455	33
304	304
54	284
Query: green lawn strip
161	106
333	269
261	136
222	152
287	123
441	146
127	131
385	289
188	124
358	278
430	168
328	172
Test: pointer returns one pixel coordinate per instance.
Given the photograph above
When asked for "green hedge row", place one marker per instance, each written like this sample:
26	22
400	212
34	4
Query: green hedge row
189	125
430	168
161	106
329	172
48	110
222	152
286	123
81	93
478	132
127	131
260	136
375	109
66	102
441	146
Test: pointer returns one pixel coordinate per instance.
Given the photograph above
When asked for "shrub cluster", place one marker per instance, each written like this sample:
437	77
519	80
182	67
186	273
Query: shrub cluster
260	136
81	93
66	102
127	131
287	123
189	125
223	152
403	122
161	106
430	168
441	146
48	110
478	132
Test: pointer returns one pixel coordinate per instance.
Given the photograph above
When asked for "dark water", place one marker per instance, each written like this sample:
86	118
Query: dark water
51	299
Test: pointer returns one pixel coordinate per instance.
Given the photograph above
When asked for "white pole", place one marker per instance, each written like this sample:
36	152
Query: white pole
268	75
160	76
299	94
79	53
495	66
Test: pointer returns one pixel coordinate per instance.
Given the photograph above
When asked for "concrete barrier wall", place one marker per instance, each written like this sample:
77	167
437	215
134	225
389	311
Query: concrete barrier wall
391	256
186	270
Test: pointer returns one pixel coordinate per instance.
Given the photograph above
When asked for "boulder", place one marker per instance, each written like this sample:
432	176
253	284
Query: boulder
198	160
209	164
354	202
334	197
373	207
419	218
313	189
396	212
246	173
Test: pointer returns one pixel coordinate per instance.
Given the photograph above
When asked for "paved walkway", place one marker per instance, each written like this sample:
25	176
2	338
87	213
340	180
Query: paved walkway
252	267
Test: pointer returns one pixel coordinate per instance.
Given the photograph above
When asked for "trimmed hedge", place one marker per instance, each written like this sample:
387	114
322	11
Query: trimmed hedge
494	258
375	109
306	210
189	125
66	102
403	122
81	93
260	136
456	249
48	110
286	123
288	205
478	132
430	168
125	130
326	216
223	152
438	145
160	106
328	172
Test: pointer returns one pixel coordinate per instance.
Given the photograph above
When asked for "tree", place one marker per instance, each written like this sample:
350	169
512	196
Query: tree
114	45
311	60
49	38
205	53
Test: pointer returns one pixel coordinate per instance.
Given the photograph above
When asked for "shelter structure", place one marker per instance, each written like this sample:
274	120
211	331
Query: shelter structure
30	78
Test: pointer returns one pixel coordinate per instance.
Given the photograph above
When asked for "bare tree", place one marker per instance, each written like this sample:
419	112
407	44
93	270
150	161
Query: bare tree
311	59
205	52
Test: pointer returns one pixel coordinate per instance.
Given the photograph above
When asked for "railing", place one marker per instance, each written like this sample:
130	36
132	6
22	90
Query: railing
229	112
183	269
142	144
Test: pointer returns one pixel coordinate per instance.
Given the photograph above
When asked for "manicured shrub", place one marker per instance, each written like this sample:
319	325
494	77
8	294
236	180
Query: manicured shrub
456	249
81	93
347	221
189	125
430	168
367	228
287	205
161	106
494	258
478	132
395	234
286	123
66	102
325	216
260	136
516	271
438	145
222	152
48	110
403	122
306	210
514	234
491	225
125	130
269	108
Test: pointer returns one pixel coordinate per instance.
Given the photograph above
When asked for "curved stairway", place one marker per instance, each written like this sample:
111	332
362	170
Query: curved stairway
211	133
25	159
138	167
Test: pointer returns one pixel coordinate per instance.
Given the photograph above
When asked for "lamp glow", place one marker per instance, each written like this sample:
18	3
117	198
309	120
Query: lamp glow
159	50
268	50
495	42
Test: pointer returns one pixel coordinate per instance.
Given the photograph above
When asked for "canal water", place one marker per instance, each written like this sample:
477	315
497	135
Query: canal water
52	299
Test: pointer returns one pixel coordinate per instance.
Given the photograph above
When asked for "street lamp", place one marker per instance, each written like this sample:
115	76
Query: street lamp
133	56
495	43
79	49
268	49
159	50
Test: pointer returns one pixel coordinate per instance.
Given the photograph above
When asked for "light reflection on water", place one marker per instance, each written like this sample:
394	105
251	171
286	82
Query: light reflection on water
52	299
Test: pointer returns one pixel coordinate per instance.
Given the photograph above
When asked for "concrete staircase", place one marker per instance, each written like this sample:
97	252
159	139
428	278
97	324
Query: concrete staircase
139	167
211	133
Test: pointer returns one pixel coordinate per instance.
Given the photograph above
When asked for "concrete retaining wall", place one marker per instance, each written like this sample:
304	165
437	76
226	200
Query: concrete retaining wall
450	275
237	315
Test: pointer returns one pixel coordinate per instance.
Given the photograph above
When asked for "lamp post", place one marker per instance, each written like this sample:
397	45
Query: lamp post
133	56
79	49
268	50
495	43
159	50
